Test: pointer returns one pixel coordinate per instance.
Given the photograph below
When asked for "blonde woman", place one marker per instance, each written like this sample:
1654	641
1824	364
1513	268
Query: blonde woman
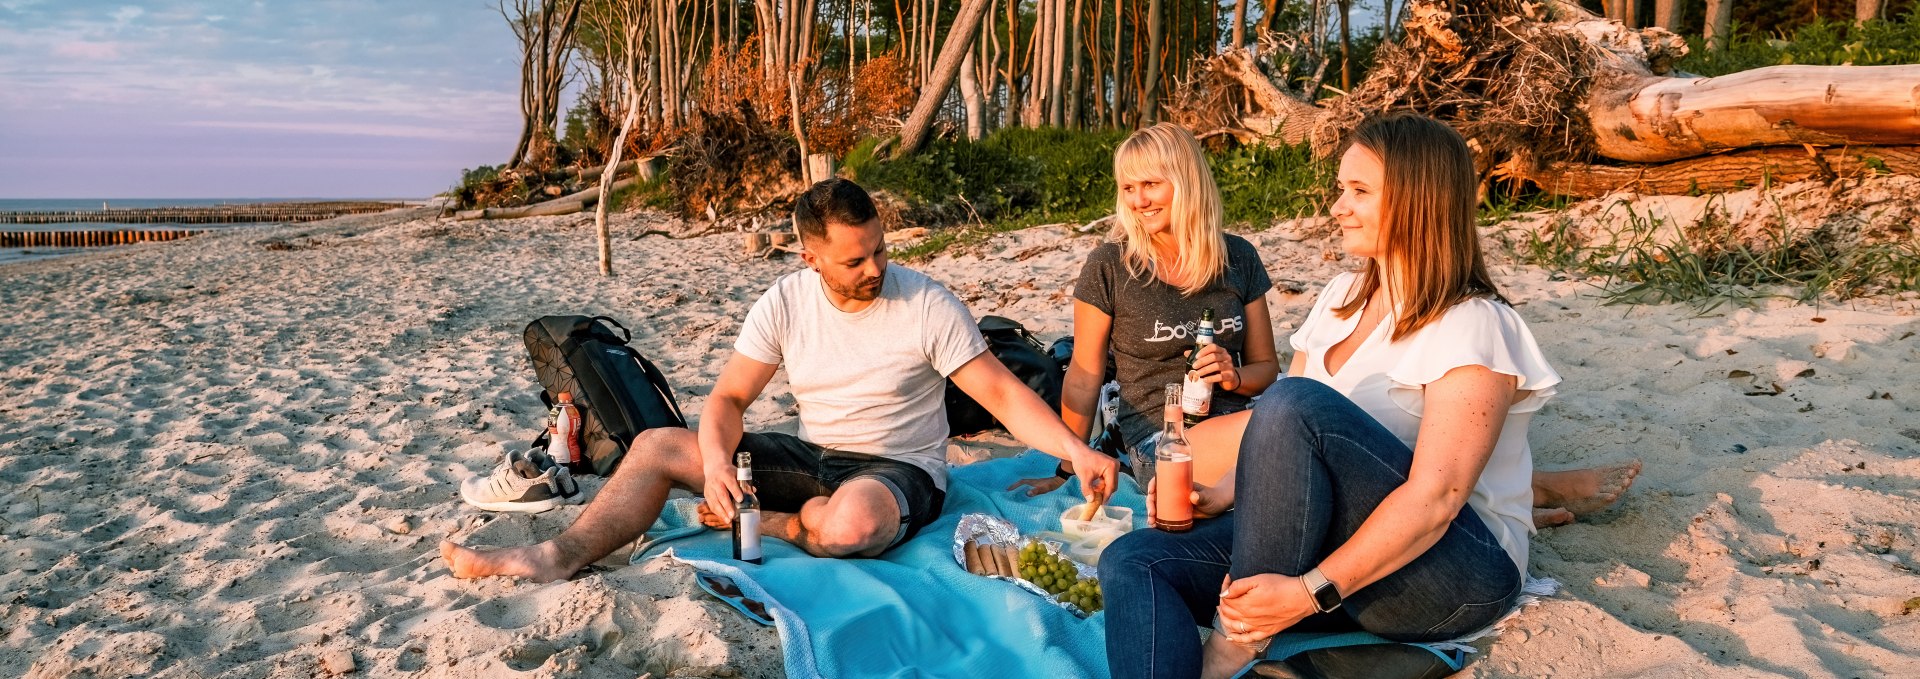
1386	485
1142	297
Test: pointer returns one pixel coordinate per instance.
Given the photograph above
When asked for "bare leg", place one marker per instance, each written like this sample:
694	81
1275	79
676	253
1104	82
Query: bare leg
1216	446
861	519
1565	495
623	511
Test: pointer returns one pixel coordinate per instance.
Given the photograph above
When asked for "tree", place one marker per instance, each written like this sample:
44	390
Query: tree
959	40
1719	26
545	31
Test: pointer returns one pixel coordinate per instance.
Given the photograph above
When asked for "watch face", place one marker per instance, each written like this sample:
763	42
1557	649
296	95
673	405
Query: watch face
1326	598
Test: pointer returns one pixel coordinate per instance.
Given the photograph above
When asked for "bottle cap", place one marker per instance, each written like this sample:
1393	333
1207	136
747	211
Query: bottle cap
566	397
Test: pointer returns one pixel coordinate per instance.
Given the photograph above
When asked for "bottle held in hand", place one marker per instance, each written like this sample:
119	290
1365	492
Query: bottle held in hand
565	440
746	520
1197	394
1173	469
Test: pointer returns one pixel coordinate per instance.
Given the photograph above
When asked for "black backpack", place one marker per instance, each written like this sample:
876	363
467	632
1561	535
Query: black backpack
1024	355
619	392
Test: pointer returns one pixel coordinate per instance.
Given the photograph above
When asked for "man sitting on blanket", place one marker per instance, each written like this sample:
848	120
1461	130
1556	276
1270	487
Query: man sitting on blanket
867	349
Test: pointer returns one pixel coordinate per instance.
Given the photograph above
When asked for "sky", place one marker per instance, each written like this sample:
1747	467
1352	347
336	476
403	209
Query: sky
253	99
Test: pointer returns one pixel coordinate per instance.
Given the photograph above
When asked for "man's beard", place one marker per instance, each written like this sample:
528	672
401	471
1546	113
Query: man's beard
864	291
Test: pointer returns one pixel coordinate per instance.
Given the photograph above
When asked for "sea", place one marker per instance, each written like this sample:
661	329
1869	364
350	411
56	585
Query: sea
11	255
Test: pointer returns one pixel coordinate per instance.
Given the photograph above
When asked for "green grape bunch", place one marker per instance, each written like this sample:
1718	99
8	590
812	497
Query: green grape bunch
1058	577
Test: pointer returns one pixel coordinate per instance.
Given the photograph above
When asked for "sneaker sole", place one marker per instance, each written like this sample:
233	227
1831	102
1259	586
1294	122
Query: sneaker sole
525	507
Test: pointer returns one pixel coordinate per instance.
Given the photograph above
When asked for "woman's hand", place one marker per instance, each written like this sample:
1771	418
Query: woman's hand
1208	502
1257	607
1214	364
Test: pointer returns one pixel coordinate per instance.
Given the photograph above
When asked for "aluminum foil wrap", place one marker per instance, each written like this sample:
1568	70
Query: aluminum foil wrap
995	530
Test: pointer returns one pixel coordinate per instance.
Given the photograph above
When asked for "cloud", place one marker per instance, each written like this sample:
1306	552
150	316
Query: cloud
91	51
127	14
350	129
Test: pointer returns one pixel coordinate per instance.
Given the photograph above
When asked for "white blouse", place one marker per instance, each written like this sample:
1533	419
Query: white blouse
1388	379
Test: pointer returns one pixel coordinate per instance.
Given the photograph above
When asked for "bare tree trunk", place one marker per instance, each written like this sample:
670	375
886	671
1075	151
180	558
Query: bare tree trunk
1866	10
1669	118
959	39
1156	36
1012	74
1346	46
1056	108
970	96
1076	92
613	165
1666	14
793	100
1240	23
1719	24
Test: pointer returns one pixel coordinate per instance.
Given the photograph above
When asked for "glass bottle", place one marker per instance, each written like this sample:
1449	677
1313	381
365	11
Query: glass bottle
746	520
1173	469
1197	398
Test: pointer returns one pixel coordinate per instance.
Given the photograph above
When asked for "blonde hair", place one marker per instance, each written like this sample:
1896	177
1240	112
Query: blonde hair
1428	240
1168	152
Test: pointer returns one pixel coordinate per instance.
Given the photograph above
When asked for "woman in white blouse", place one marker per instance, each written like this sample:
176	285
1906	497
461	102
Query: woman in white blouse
1386	486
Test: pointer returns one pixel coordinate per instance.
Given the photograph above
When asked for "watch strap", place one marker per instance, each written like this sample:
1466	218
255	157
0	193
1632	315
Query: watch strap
1325	596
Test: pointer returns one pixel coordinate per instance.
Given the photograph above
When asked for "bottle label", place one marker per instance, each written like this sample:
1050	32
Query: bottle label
749	535
1173	502
1196	396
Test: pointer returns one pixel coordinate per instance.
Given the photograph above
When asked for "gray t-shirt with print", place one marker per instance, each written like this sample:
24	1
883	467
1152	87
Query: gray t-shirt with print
1153	327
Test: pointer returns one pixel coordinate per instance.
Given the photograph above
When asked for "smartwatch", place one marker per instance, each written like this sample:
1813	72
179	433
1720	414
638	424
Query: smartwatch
1325	596
1060	472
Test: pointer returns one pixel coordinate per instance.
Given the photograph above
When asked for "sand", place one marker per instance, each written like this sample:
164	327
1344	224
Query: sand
233	456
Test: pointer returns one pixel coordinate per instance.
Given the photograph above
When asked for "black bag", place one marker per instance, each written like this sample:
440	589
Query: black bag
1024	355
619	392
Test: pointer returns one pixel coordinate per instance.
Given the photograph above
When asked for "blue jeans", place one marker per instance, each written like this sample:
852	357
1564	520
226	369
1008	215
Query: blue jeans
1312	467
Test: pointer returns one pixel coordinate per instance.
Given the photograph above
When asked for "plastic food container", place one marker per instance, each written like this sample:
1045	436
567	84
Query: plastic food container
1111	520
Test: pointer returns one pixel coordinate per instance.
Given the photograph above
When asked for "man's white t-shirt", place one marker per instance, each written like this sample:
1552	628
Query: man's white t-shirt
872	381
1388	380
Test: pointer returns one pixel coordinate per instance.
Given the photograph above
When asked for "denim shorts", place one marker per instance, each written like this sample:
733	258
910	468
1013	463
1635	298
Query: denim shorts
789	471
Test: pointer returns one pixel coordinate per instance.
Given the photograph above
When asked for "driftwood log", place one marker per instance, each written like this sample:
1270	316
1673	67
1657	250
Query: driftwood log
564	205
1580	105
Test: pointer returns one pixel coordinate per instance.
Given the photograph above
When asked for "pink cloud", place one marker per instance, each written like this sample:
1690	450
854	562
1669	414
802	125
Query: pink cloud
94	51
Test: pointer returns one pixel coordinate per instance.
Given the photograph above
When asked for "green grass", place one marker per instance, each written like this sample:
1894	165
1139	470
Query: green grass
1823	43
1017	178
1637	270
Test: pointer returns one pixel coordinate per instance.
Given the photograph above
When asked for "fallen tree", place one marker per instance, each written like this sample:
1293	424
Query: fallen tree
1550	94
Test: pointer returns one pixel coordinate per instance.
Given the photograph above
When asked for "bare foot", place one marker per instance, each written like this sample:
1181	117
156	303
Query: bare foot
1582	491
1221	659
539	563
1550	517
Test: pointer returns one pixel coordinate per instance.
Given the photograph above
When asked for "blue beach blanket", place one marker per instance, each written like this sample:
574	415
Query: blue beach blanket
913	612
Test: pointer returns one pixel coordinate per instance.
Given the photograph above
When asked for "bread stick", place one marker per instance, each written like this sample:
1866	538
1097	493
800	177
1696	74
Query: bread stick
1091	510
1000	553
974	562
1012	562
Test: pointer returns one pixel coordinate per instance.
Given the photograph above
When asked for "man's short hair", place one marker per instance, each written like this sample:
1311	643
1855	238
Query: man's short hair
833	201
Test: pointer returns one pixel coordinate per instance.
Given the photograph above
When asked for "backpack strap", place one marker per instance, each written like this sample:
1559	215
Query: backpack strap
626	335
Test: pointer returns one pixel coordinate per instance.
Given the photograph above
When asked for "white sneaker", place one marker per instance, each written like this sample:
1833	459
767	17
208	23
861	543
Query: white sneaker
526	481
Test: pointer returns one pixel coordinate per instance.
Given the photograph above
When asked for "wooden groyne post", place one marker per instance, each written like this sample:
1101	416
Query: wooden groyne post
82	239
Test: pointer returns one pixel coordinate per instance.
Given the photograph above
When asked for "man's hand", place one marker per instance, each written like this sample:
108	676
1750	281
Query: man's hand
1098	473
721	491
1259	606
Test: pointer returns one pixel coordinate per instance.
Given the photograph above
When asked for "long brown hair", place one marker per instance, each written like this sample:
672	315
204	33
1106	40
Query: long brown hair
1428	238
1169	153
